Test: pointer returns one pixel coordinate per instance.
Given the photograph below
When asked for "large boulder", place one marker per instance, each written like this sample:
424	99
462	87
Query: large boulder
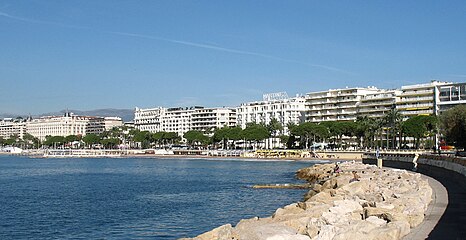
383	205
224	232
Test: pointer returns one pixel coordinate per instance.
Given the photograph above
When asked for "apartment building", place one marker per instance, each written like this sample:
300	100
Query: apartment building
177	119
418	99
377	104
449	95
335	104
65	125
12	127
111	122
277	106
182	120
208	119
149	119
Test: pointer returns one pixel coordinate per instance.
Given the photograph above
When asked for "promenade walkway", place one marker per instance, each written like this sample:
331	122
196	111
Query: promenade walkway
452	224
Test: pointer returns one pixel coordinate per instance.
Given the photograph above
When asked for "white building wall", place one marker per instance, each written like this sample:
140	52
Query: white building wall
335	104
10	127
63	126
290	110
376	105
449	95
418	99
111	122
148	119
182	120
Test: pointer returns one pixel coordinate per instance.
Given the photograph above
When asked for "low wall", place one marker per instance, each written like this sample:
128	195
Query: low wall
426	162
346	155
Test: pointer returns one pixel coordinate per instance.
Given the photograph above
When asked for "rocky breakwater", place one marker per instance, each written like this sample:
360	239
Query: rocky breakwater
379	204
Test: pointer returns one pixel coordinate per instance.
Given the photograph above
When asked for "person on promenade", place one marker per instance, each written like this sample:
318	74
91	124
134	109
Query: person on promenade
336	169
355	177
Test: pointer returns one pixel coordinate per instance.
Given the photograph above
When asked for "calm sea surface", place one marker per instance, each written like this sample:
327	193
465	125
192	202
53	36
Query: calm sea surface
134	198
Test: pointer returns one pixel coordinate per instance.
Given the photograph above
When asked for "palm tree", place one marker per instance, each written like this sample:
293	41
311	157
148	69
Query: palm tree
274	128
392	121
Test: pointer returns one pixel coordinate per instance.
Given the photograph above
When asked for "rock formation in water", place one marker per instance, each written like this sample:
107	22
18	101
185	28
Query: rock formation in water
378	204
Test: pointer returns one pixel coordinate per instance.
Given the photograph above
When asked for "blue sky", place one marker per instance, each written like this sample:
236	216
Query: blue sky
86	55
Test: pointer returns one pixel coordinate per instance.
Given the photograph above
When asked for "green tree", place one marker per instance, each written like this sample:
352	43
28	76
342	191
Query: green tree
194	137
453	126
392	121
255	132
420	127
54	141
30	140
307	132
274	127
158	138
221	135
71	138
110	143
143	137
171	137
12	140
91	139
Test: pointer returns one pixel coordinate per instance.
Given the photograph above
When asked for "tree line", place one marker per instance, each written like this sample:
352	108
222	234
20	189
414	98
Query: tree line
390	132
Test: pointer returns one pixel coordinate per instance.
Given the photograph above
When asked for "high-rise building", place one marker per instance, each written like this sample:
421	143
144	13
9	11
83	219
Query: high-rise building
335	104
182	120
418	99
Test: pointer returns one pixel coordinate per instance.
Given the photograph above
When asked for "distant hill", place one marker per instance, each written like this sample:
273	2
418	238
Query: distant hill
9	115
125	114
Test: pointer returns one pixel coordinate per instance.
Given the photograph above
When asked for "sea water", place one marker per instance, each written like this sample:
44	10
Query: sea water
136	198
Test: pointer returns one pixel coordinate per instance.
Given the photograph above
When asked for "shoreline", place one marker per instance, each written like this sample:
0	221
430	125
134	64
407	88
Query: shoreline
166	156
336	208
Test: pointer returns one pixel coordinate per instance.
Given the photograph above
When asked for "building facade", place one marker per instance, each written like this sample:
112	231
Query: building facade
182	120
208	119
66	125
449	95
273	106
335	104
418	99
111	122
12	127
376	105
149	119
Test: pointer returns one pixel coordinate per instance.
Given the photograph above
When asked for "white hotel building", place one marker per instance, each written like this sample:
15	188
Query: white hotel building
66	125
182	120
273	106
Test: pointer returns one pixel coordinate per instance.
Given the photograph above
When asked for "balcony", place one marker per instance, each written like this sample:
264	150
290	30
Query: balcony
416	99
417	93
415	106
